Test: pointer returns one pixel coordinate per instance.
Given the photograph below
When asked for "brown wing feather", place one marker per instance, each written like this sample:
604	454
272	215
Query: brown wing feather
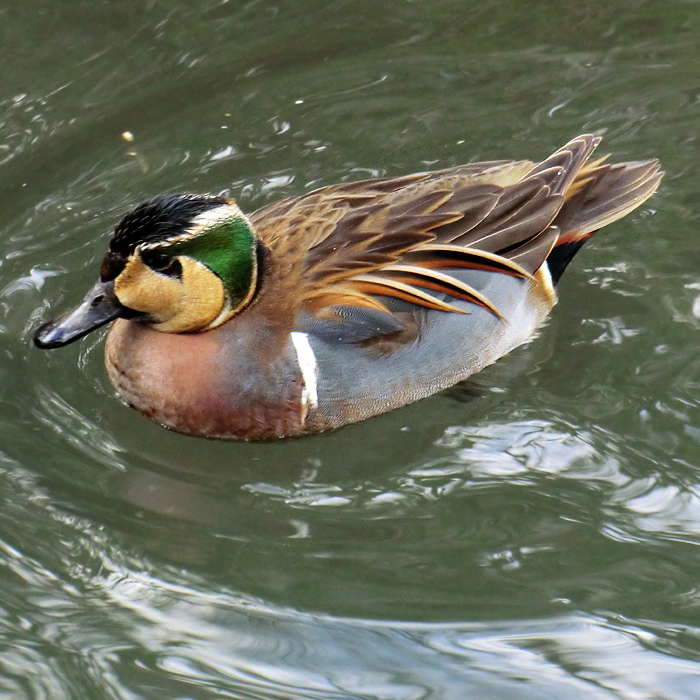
356	243
446	255
609	192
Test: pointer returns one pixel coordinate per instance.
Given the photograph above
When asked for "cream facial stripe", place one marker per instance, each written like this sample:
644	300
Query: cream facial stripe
307	365
212	217
203	221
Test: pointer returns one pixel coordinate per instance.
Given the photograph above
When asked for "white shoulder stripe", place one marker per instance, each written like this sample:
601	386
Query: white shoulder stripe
308	367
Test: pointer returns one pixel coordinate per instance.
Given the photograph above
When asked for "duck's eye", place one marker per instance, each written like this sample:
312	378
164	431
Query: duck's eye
161	263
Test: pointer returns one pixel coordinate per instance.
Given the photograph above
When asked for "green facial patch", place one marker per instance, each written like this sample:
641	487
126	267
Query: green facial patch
228	250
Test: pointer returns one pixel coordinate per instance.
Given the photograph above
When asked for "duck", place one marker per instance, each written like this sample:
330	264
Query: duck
331	307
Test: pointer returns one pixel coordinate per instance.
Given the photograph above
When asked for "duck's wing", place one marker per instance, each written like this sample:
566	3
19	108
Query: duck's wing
412	238
349	244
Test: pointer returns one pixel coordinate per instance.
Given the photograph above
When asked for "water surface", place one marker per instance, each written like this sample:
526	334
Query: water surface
533	534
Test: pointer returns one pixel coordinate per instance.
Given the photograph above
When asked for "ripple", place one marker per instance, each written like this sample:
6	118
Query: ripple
119	628
534	538
24	123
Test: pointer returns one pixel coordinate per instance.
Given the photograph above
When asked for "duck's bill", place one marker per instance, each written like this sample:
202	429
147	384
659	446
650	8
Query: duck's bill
100	306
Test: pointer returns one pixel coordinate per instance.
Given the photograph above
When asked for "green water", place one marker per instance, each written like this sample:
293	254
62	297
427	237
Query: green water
531	535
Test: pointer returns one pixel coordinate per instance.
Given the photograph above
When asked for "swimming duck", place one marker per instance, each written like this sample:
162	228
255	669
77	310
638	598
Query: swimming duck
325	309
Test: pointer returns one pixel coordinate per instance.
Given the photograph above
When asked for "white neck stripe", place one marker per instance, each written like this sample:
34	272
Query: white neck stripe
308	367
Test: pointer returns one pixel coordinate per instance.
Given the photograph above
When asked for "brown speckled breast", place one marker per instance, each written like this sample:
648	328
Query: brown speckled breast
212	384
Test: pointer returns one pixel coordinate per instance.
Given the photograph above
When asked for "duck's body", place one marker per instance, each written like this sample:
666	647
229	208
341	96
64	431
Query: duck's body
346	302
236	381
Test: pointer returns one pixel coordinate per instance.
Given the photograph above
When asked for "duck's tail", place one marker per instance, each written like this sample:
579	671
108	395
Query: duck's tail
599	194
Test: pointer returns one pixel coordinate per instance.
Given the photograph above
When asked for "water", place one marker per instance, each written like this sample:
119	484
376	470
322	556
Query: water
533	534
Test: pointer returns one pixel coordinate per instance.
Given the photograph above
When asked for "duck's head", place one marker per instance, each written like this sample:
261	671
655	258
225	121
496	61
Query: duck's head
180	263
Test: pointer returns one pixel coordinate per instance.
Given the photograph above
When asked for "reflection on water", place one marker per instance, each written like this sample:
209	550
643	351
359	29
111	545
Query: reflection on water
106	620
530	534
